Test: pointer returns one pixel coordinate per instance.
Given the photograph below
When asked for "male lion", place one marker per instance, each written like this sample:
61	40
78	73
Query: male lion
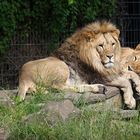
90	56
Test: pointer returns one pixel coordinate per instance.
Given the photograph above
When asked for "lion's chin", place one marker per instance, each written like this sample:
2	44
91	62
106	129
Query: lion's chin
109	65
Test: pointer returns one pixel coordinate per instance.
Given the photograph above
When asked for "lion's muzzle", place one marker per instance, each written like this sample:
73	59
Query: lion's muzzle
109	65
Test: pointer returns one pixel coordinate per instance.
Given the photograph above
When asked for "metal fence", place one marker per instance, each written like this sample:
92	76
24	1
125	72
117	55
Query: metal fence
22	49
35	45
130	22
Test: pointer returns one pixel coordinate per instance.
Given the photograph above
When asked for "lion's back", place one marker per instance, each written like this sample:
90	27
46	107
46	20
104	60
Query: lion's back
44	70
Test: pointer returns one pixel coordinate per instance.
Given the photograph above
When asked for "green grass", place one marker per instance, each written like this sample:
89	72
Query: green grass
90	125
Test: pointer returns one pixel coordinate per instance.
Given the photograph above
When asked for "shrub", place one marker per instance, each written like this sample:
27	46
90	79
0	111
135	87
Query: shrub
55	18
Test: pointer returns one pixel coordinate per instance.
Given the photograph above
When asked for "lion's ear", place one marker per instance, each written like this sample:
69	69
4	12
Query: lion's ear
137	47
116	33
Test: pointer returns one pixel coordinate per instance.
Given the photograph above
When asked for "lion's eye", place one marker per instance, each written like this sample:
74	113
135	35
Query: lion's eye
101	45
100	48
113	44
135	58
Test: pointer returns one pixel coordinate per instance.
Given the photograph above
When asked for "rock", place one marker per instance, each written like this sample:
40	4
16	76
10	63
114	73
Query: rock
73	96
54	112
111	92
92	98
115	102
111	104
2	134
5	98
63	109
86	98
10	93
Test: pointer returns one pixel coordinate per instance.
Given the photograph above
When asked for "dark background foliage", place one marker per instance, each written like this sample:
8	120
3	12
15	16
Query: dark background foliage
56	18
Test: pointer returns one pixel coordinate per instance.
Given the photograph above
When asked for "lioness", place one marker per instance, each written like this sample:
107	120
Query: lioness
131	57
90	56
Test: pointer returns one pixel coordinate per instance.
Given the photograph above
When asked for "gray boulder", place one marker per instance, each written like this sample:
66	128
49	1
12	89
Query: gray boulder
54	112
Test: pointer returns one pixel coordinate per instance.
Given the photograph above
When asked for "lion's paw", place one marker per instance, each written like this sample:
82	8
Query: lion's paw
102	88
95	88
99	88
131	104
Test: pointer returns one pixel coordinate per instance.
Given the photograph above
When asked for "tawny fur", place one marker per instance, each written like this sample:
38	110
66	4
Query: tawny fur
131	57
130	61
90	56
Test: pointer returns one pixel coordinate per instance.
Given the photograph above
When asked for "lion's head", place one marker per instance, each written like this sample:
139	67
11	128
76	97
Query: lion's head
98	45
131	58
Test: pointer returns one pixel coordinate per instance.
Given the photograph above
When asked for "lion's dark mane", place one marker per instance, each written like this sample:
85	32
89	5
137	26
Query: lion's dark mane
69	54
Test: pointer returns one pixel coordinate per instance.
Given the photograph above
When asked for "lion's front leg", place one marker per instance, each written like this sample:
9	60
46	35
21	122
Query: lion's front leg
125	86
135	79
95	88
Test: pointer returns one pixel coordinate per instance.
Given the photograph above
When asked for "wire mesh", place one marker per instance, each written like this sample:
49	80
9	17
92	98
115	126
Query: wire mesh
130	23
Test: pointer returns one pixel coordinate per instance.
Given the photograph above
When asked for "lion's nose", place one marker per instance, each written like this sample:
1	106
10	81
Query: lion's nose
109	56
